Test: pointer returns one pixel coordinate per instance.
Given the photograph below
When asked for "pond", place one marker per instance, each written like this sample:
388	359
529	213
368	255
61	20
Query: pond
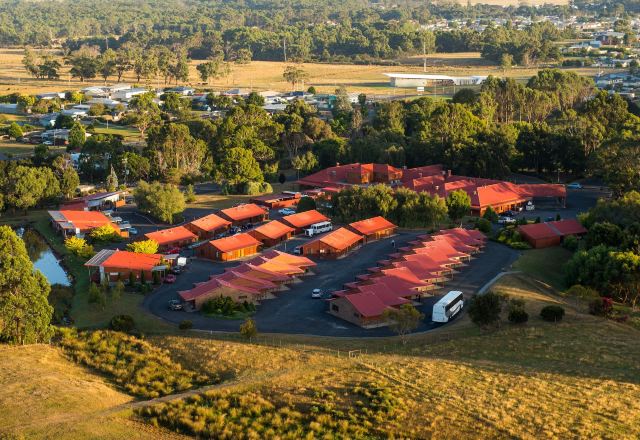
43	257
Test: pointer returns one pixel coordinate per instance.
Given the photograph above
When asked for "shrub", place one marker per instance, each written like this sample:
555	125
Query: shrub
222	305
483	225
255	188
78	246
518	316
185	324
189	194
490	215
306	204
97	296
601	307
571	243
143	247
248	329
122	323
104	233
117	290
484	310
552	313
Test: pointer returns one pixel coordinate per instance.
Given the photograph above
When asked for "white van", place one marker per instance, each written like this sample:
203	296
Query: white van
318	228
448	306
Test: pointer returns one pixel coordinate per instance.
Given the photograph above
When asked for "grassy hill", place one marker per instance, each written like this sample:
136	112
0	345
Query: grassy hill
576	379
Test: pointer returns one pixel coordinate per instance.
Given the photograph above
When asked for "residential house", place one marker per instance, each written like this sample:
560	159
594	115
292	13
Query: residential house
244	214
302	220
169	238
207	227
373	228
229	248
334	244
542	235
115	265
80	223
272	233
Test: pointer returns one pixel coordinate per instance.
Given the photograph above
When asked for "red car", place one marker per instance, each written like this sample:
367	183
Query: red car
170	278
172	251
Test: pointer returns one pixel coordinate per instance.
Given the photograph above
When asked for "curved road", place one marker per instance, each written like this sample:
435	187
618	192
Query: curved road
295	312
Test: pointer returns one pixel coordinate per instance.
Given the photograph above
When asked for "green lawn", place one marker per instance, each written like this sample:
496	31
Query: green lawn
129	133
545	265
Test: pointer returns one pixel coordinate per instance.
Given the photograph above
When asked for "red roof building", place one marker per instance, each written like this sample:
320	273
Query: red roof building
177	236
82	222
334	244
542	235
277	201
196	297
373	228
208	227
116	265
229	248
272	233
302	220
243	214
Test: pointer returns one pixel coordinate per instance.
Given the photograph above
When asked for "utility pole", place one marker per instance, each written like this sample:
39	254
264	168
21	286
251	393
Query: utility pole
424	55
284	48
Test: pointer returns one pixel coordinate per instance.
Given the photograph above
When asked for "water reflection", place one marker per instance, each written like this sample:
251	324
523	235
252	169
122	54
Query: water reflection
43	257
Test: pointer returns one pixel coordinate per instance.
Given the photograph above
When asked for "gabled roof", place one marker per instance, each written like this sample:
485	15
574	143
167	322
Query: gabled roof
206	287
130	260
568	227
538	231
235	242
496	194
83	220
290	259
273	229
243	212
304	219
387	297
243	279
372	225
543	190
276	266
259	272
171	235
210	222
367	304
338	239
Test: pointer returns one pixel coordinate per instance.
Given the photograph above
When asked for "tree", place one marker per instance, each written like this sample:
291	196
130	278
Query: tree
172	148
484	310
25	188
69	181
14	131
112	180
248	329
84	63
97	296
238	165
77	136
305	163
506	61
403	320
295	75
25	313
306	204
189	194
104	233
146	111
213	69
143	247
552	313
163	201
490	215
107	64
458	204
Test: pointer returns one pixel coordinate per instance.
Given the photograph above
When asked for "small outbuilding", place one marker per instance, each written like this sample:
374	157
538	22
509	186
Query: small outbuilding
302	220
542	235
335	244
207	227
177	236
373	228
272	233
229	248
244	214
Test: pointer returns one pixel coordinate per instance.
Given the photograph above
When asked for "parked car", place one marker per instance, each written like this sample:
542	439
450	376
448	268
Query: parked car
174	304
550	219
133	231
170	278
510	213
316	293
286	211
504	220
172	251
574	185
175	270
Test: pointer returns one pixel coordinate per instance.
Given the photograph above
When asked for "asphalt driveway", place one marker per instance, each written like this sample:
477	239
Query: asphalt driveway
295	312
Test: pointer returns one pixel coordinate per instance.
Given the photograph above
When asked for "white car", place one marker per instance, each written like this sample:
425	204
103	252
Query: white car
286	211
316	293
506	220
574	185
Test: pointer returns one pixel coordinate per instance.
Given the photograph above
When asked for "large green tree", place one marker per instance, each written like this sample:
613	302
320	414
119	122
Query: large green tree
25	313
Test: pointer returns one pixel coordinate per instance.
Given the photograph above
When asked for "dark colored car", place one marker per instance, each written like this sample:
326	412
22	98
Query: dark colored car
175	305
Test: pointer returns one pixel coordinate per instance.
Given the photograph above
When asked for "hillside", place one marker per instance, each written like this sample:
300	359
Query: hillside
575	379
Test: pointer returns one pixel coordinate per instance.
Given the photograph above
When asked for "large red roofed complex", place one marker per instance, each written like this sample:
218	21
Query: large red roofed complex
116	265
373	228
208	227
499	195
302	220
334	244
177	236
408	275
272	233
229	248
243	214
542	235
81	222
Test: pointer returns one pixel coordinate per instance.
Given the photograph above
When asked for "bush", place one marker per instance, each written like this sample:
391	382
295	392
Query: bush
570	242
518	316
305	204
601	307
552	313
104	233
255	188
490	215
122	323
484	310
222	305
483	225
185	324
248	329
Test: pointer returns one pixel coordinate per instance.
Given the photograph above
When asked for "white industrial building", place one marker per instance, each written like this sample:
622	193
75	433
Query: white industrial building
424	80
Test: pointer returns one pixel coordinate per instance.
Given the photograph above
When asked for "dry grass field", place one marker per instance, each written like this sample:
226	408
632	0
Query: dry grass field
265	75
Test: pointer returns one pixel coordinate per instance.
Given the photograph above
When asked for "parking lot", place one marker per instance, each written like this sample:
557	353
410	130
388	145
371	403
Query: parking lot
294	311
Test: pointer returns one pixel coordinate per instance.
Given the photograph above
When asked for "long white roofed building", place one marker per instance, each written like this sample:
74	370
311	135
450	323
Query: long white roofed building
426	80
